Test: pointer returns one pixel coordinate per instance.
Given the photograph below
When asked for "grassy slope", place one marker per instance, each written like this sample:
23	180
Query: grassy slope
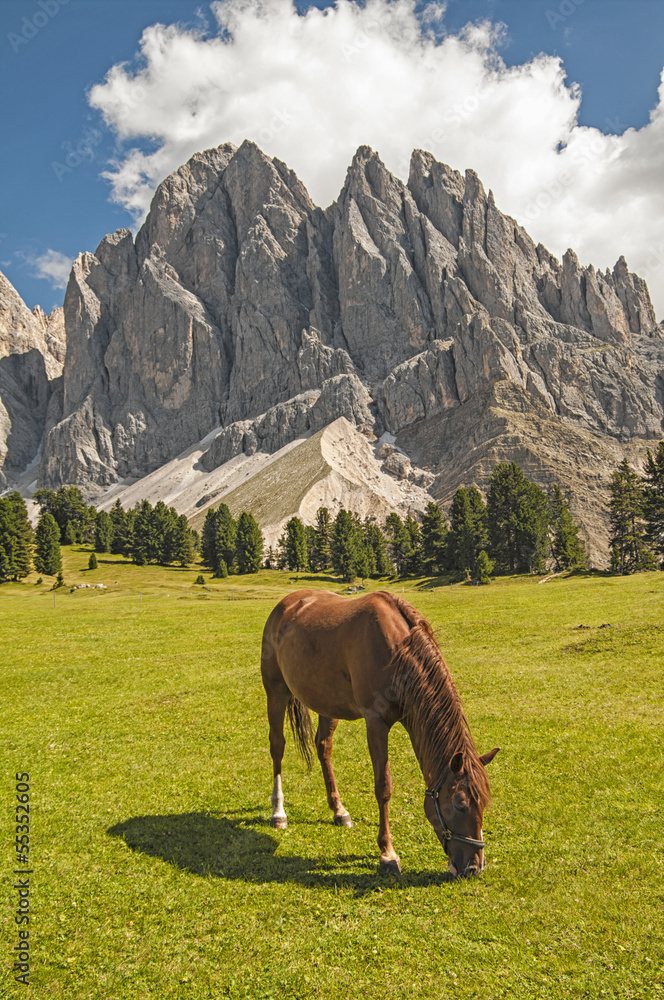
141	720
278	489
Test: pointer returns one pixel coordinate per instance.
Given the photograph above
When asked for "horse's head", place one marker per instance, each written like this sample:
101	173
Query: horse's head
455	810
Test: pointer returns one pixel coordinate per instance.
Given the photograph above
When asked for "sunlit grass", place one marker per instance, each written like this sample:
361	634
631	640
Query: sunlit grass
139	712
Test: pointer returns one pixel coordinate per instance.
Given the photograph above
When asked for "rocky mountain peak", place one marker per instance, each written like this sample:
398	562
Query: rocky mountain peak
419	309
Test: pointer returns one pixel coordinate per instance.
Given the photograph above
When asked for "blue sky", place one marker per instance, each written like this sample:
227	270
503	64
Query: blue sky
54	200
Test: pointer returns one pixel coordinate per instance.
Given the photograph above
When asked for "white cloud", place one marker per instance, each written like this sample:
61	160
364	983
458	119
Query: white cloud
52	265
311	88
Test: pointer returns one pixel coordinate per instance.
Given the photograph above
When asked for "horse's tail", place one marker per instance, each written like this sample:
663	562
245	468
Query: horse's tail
303	734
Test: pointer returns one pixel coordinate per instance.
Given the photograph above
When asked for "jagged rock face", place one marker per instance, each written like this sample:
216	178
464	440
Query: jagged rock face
31	357
241	305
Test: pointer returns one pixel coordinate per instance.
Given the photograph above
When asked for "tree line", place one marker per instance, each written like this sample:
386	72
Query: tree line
520	528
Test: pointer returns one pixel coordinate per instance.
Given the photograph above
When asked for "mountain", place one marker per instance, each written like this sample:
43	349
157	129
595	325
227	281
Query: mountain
32	354
419	312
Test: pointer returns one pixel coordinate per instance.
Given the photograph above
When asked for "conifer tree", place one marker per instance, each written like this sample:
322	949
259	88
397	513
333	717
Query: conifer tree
184	543
376	541
16	538
434	540
653	501
209	539
414	562
226	538
567	548
628	527
47	537
322	529
143	547
518	520
103	532
92	561
296	545
399	542
69	536
248	544
344	547
122	522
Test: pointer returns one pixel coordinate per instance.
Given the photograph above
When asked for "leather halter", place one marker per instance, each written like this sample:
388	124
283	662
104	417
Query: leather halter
447	833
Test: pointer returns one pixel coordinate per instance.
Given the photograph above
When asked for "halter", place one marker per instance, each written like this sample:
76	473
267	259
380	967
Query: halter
447	833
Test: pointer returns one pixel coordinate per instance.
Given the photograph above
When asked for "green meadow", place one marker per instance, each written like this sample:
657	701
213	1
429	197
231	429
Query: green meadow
139	714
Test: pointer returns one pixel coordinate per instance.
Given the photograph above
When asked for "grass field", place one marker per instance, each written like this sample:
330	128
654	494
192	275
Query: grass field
139	713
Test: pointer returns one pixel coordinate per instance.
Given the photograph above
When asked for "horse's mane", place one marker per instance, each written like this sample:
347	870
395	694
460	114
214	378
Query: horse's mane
431	706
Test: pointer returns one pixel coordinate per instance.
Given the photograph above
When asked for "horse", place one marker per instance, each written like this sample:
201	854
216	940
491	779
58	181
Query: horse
375	657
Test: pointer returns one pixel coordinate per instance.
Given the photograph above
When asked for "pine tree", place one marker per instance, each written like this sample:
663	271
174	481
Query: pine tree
518	520
322	529
653	501
434	540
209	539
248	544
226	538
143	547
47	536
628	527
468	534
377	541
122	522
69	536
184	544
483	568
92	561
343	546
16	538
567	549
399	542
296	545
414	562
103	532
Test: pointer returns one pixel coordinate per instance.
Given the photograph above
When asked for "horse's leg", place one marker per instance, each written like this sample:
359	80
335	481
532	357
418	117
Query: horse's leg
277	699
377	733
324	735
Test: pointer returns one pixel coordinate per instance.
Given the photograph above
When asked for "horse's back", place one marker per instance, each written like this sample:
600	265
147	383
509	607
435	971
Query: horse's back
331	651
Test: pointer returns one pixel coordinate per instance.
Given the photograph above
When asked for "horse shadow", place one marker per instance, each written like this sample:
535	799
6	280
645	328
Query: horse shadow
243	847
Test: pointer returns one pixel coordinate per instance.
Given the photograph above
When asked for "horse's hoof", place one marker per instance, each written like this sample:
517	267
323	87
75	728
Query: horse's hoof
344	820
391	867
278	822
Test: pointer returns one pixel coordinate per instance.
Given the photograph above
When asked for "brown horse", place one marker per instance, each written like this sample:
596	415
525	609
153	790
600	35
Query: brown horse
375	657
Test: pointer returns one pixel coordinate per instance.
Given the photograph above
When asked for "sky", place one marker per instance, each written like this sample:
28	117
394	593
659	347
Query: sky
557	104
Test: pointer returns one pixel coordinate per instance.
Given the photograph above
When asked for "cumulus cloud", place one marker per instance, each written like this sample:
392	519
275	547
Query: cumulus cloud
53	266
310	88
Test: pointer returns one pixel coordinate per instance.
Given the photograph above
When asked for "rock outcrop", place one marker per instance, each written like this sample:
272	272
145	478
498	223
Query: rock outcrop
416	309
32	352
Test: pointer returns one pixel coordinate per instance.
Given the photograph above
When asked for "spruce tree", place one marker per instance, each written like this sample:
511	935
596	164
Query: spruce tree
296	545
47	537
183	544
628	527
143	547
377	541
344	547
567	549
399	542
209	539
248	544
653	501
518	520
103	532
122	522
16	538
414	562
322	531
92	561
226	538
434	540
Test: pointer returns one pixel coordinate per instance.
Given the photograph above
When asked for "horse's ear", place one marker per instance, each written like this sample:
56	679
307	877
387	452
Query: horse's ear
456	764
486	758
